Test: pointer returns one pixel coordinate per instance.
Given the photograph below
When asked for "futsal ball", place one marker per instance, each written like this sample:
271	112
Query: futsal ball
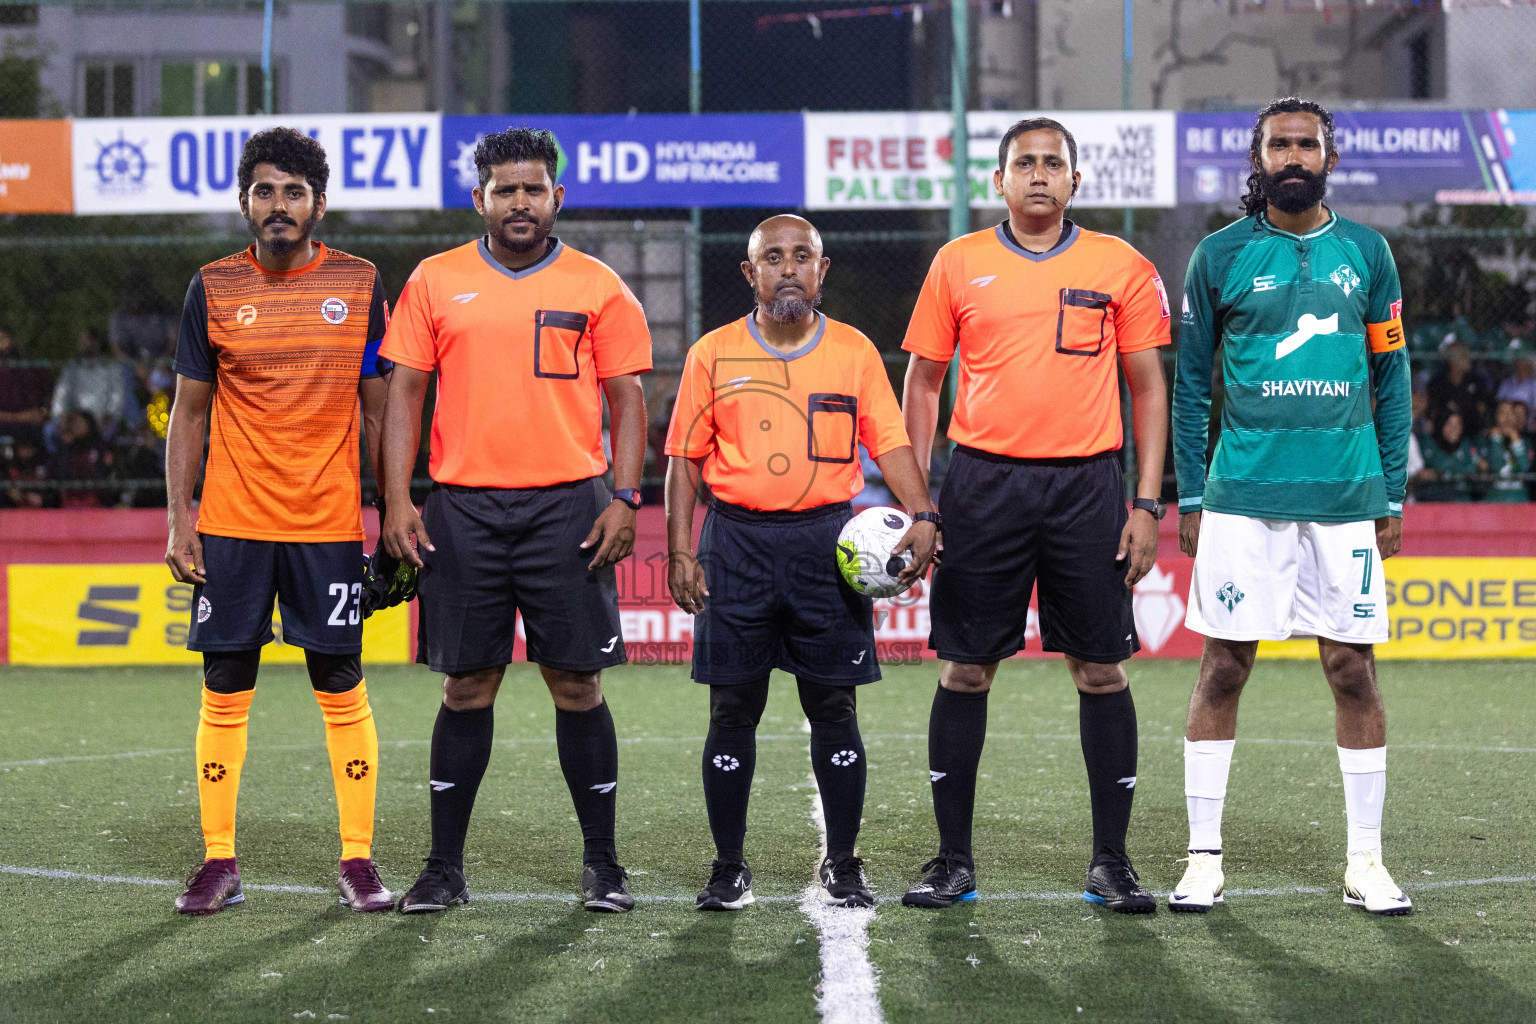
864	551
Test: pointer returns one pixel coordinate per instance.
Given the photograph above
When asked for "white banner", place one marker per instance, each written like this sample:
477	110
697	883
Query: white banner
903	160
189	164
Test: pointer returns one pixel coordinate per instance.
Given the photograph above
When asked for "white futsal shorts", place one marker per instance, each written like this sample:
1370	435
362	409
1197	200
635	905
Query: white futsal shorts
1273	579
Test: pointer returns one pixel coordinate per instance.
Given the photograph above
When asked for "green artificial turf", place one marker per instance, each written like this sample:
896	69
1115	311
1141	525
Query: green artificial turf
1459	808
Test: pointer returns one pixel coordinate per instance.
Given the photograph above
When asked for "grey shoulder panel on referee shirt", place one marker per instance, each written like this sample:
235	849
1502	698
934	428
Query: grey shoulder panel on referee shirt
518	275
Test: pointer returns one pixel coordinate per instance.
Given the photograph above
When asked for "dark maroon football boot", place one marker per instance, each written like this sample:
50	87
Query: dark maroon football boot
212	887
360	886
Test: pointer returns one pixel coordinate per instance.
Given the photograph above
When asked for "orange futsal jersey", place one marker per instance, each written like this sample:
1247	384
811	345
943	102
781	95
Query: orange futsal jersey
1039	335
778	431
285	351
519	357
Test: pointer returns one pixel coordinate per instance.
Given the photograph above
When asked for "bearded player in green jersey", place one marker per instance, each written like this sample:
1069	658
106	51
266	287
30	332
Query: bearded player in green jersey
1304	495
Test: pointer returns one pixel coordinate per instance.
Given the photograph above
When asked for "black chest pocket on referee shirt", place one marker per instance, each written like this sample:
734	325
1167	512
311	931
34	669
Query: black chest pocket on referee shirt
834	428
557	343
1080	322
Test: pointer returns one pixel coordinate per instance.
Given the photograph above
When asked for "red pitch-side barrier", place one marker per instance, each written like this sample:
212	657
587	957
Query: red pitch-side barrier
656	631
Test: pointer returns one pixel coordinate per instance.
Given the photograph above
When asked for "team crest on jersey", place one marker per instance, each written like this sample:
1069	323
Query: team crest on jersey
1229	595
1346	278
245	315
334	310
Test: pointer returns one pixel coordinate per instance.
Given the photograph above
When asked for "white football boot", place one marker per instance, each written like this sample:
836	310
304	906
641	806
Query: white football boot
1200	887
1367	884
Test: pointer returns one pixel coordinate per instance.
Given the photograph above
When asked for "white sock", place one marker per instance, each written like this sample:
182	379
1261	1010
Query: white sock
1206	763
1365	787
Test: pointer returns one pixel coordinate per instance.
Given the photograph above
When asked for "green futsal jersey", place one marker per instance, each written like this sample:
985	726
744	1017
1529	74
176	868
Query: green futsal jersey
1316	411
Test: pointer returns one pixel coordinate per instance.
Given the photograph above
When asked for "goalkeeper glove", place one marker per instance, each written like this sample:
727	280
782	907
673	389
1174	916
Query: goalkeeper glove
387	581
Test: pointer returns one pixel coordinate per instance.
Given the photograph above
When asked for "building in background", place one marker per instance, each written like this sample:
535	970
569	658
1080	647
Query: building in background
122	59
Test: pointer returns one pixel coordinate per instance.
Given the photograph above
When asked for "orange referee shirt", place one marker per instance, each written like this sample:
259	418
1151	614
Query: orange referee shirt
778	431
1038	335
519	357
285	351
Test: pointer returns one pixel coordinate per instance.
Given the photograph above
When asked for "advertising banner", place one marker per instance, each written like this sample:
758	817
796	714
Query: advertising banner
1451	608
903	160
649	160
1384	156
119	614
34	167
189	164
1507	149
134	614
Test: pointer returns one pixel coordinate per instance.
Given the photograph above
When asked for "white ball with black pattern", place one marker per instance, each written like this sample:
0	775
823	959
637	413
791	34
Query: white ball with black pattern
864	551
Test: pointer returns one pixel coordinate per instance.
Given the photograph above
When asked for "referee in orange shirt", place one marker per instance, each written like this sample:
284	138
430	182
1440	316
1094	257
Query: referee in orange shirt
1039	310
771	410
527	337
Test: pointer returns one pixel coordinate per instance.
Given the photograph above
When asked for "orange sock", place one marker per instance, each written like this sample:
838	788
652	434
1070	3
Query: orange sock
220	754
353	742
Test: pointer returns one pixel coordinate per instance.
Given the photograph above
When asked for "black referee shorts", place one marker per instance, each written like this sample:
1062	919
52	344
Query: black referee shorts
504	551
777	600
1010	523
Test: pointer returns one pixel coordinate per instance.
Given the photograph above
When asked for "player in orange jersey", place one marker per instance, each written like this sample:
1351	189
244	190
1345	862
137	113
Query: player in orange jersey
1042	314
527	336
770	412
280	341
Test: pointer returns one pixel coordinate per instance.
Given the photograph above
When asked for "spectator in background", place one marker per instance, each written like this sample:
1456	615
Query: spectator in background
140	328
1512	324
1505	453
1461	388
1421	428
24	394
82	457
1420	410
1448	462
1520	386
95	383
1415	463
656	445
140	456
27	464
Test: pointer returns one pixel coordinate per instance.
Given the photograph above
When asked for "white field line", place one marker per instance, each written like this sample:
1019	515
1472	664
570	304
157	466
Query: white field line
799	737
849	990
571	897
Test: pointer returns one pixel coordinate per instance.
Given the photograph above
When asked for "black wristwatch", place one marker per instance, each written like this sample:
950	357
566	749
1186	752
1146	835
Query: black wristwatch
1152	505
930	517
629	496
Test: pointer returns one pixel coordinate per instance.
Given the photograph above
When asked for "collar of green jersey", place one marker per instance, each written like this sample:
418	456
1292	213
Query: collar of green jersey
1267	225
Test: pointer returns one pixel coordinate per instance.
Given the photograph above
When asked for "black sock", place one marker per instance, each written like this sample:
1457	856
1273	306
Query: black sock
957	728
589	757
461	748
730	757
837	756
1107	722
